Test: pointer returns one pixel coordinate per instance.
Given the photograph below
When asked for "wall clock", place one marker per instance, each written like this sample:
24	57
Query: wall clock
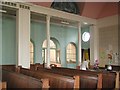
86	36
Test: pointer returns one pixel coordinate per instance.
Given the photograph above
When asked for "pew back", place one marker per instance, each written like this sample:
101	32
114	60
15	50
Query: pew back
87	81
16	80
56	80
107	76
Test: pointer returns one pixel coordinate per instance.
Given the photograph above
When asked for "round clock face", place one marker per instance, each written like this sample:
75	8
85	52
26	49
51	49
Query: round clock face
86	36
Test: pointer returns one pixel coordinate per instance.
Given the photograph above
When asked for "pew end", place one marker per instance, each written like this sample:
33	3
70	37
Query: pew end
3	86
99	84
17	69
45	84
79	79
76	82
117	81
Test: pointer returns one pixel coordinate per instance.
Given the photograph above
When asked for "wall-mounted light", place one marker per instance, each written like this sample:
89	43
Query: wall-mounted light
85	23
65	22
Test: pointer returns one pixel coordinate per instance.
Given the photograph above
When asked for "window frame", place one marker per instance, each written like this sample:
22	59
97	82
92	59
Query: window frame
31	42
71	54
51	48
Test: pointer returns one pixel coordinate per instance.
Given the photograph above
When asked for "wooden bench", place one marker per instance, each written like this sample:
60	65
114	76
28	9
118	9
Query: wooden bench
88	82
107	76
8	67
71	72
66	81
56	80
3	85
35	66
17	80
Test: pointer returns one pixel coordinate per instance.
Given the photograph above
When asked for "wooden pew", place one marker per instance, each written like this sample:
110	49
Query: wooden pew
3	85
107	76
86	82
17	80
73	72
56	80
117	80
8	67
35	66
63	81
89	81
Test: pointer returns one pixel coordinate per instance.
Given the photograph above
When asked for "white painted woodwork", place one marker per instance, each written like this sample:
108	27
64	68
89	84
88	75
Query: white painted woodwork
55	13
48	41
79	43
94	44
23	37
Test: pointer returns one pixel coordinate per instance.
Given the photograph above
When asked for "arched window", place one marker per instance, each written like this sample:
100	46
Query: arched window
54	56
31	53
71	53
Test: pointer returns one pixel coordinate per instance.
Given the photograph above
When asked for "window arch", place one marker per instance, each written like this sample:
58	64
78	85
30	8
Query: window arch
31	53
71	53
54	51
52	44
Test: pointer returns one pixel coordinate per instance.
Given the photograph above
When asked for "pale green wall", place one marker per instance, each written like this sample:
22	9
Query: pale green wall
38	35
8	40
63	34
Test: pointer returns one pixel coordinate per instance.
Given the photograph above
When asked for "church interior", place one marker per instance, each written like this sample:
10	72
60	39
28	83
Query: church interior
59	45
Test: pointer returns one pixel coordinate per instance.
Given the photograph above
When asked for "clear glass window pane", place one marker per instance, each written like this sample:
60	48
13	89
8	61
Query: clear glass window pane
71	53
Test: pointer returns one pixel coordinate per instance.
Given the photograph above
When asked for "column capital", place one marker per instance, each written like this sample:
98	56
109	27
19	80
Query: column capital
79	23
48	17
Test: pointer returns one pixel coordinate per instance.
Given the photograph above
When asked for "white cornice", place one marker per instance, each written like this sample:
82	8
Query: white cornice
60	14
107	21
54	13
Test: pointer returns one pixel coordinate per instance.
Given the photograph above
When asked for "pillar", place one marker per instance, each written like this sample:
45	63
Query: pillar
94	44
48	41
79	43
23	37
